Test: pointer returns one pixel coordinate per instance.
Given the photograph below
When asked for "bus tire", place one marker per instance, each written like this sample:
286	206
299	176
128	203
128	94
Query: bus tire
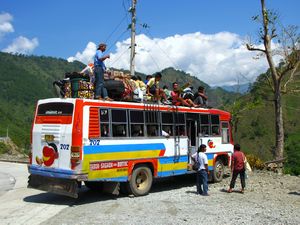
218	172
141	181
94	185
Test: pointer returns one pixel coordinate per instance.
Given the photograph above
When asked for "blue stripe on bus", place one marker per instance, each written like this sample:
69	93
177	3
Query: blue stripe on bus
173	159
171	173
51	172
210	155
122	148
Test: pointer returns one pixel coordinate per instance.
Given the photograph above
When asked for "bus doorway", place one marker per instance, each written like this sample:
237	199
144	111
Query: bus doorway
191	126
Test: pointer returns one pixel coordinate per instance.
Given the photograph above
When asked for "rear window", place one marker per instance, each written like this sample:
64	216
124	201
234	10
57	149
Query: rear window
55	109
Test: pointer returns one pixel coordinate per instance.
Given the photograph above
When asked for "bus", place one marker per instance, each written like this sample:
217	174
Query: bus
121	145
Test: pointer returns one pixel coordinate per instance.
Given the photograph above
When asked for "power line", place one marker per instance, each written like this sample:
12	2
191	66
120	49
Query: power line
115	28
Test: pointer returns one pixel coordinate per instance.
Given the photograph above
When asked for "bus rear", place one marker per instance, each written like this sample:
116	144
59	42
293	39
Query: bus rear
56	147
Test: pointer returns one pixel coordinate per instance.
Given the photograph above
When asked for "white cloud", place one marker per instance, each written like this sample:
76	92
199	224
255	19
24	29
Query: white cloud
86	56
22	45
217	59
5	24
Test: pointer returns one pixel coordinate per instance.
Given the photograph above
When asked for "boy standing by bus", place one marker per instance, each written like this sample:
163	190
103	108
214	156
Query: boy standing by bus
237	167
202	174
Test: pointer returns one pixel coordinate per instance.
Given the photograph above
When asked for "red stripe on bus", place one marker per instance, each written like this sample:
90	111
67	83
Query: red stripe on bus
53	119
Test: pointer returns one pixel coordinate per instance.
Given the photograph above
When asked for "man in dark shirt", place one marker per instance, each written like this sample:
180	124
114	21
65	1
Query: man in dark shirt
237	168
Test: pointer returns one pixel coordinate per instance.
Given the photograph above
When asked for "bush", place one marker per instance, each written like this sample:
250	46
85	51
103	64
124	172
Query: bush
255	162
3	148
292	164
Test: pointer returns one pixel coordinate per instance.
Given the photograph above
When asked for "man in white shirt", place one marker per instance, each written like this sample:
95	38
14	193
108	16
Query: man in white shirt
202	173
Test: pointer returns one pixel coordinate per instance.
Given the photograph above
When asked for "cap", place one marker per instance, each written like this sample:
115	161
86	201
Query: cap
101	45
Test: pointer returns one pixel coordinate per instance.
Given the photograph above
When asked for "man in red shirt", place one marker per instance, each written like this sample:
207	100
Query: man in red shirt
237	168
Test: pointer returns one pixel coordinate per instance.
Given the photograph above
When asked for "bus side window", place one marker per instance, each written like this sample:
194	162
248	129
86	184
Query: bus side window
225	133
152	130
215	130
136	119
137	130
168	129
215	125
204	130
204	125
104	130
119	122
119	130
180	130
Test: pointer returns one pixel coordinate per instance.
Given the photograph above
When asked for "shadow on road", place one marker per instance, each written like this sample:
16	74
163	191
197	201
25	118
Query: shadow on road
86	196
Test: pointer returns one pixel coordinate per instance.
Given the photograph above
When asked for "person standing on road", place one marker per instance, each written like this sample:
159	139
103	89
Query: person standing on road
99	69
237	168
202	173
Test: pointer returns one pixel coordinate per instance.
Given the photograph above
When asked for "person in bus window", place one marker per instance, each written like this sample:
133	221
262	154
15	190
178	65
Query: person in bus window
99	69
152	130
136	130
104	130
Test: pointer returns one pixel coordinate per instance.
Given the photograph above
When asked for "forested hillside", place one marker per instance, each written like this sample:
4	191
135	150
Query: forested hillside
25	79
255	124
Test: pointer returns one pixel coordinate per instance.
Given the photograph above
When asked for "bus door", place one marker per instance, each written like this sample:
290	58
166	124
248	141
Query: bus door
192	123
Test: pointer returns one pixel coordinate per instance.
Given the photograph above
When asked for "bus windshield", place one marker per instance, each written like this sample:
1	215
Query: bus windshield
55	109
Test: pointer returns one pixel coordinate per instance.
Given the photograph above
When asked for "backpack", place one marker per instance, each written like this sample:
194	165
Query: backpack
196	164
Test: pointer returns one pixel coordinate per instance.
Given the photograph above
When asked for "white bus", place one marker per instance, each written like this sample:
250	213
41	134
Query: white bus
121	144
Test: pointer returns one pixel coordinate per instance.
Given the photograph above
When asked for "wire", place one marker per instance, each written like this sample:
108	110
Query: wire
174	64
119	57
115	28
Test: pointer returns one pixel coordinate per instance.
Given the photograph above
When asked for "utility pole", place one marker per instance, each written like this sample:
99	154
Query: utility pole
132	52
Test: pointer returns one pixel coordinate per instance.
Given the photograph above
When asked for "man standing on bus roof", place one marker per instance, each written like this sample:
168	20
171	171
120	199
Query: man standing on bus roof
99	68
202	173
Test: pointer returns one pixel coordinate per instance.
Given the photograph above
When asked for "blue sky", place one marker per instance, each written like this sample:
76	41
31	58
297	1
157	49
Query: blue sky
203	38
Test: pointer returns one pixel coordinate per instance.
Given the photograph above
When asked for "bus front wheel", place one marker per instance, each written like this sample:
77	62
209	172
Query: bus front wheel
218	172
141	181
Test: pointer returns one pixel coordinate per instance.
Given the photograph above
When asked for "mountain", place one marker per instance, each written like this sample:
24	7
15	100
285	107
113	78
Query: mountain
25	79
238	88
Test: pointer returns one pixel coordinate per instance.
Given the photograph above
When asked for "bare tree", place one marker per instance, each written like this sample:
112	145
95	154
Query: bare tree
287	47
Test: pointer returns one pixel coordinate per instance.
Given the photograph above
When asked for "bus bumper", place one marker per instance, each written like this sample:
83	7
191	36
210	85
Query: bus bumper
59	186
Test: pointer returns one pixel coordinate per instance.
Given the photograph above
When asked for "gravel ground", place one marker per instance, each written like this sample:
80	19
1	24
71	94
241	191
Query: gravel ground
270	198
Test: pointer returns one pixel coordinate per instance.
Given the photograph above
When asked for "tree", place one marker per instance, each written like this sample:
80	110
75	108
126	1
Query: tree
280	76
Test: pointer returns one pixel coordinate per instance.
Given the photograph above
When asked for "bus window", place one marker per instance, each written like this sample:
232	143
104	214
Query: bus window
119	130
225	133
136	123
152	130
55	109
104	123
167	124
104	116
137	130
215	125
105	130
119	123
168	129
180	130
204	125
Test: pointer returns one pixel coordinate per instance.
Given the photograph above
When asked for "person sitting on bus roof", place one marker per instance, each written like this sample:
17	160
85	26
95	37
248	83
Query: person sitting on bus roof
178	100
201	98
154	90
